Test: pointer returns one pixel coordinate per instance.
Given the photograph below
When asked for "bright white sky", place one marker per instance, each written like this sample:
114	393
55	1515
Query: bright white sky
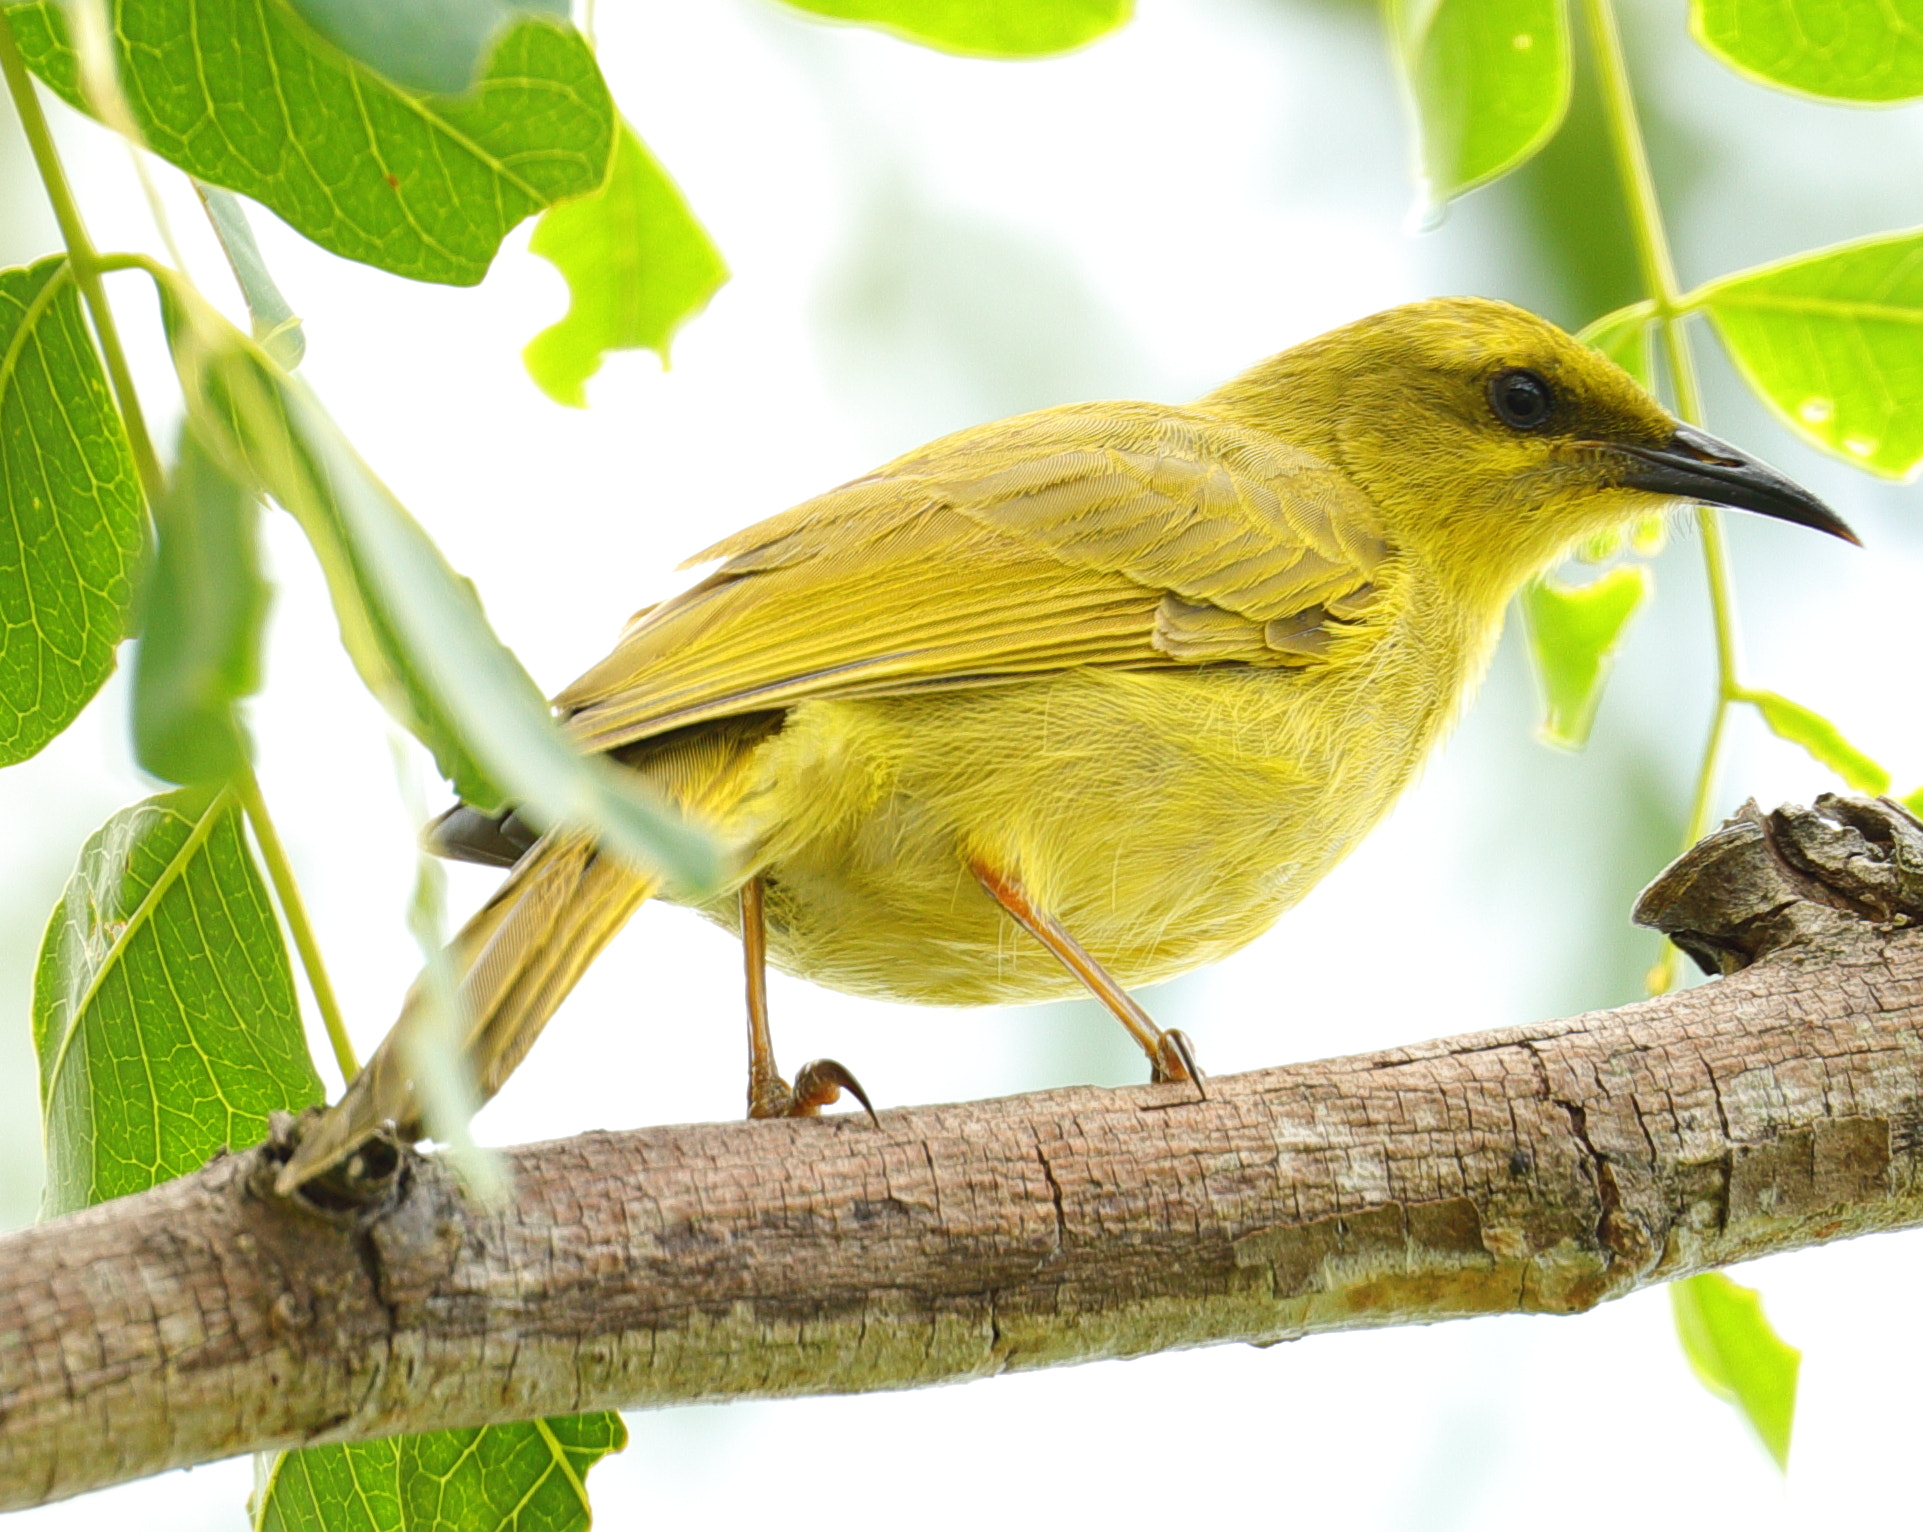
919	243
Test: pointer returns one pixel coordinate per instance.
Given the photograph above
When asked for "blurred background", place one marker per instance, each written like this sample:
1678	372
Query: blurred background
922	242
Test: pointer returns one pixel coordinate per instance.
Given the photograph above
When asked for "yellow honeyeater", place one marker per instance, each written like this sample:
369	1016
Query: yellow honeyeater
1083	697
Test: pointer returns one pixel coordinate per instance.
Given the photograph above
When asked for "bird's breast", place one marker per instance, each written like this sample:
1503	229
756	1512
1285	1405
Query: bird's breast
1165	817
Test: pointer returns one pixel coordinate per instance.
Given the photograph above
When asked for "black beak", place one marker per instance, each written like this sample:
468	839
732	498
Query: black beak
1693	465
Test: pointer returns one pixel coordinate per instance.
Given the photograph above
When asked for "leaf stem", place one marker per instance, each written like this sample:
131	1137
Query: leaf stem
1632	158
1671	309
87	266
80	252
287	892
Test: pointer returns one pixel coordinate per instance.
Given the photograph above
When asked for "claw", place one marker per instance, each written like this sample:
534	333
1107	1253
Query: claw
820	1084
1175	1062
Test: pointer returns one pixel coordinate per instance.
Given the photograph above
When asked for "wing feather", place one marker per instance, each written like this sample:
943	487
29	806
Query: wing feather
1116	535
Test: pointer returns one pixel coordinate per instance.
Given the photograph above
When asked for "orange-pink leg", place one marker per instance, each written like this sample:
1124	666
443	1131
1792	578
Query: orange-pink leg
819	1084
1171	1056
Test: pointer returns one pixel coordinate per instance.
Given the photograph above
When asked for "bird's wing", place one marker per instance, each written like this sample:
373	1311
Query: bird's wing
1130	536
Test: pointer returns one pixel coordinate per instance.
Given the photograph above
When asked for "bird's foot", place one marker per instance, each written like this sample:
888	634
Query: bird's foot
818	1084
821	1083
1174	1062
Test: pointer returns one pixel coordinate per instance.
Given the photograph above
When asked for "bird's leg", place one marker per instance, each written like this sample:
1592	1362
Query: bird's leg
768	1093
819	1084
1171	1056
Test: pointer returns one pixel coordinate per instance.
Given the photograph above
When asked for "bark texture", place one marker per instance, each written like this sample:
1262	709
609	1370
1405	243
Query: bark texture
1541	1169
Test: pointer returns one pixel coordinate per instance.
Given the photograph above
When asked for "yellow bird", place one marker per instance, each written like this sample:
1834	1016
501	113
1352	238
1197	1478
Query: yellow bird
1083	698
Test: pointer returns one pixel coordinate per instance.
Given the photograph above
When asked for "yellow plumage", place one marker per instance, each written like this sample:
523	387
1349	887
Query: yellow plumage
1163	666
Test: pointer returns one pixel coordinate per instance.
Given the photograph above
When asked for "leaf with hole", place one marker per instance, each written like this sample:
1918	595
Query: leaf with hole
70	511
1489	80
637	265
249	97
202	604
1832	341
1822	739
163	1008
984	28
1574	631
1738	1356
526	1477
415	629
1838	50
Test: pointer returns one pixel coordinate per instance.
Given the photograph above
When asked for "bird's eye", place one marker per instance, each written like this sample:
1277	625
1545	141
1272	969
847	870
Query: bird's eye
1521	398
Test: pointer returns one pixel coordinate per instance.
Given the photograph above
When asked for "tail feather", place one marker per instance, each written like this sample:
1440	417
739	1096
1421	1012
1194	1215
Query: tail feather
538	952
521	954
518	958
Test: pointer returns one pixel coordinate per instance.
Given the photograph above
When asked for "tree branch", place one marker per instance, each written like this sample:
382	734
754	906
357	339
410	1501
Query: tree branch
1542	1169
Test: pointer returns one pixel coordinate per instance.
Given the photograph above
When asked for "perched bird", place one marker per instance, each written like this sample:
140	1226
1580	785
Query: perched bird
1086	697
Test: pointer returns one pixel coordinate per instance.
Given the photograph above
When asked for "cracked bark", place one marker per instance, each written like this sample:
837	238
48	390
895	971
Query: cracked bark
1541	1169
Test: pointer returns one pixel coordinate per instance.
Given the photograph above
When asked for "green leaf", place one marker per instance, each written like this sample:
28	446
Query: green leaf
1489	80
472	681
1822	739
1833	343
276	326
435	45
1650	535
1737	1355
1573	634
202	605
70	511
1914	803
1623	337
414	628
527	1477
163	1008
244	94
985	28
238	402
637	265
1840	50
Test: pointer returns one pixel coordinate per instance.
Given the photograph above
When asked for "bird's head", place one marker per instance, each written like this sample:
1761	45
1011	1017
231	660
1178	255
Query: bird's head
1492	443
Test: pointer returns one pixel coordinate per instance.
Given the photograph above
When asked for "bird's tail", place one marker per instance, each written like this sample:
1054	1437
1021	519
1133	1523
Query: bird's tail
517	959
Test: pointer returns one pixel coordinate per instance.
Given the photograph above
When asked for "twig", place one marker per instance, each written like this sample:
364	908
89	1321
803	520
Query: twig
1543	1169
